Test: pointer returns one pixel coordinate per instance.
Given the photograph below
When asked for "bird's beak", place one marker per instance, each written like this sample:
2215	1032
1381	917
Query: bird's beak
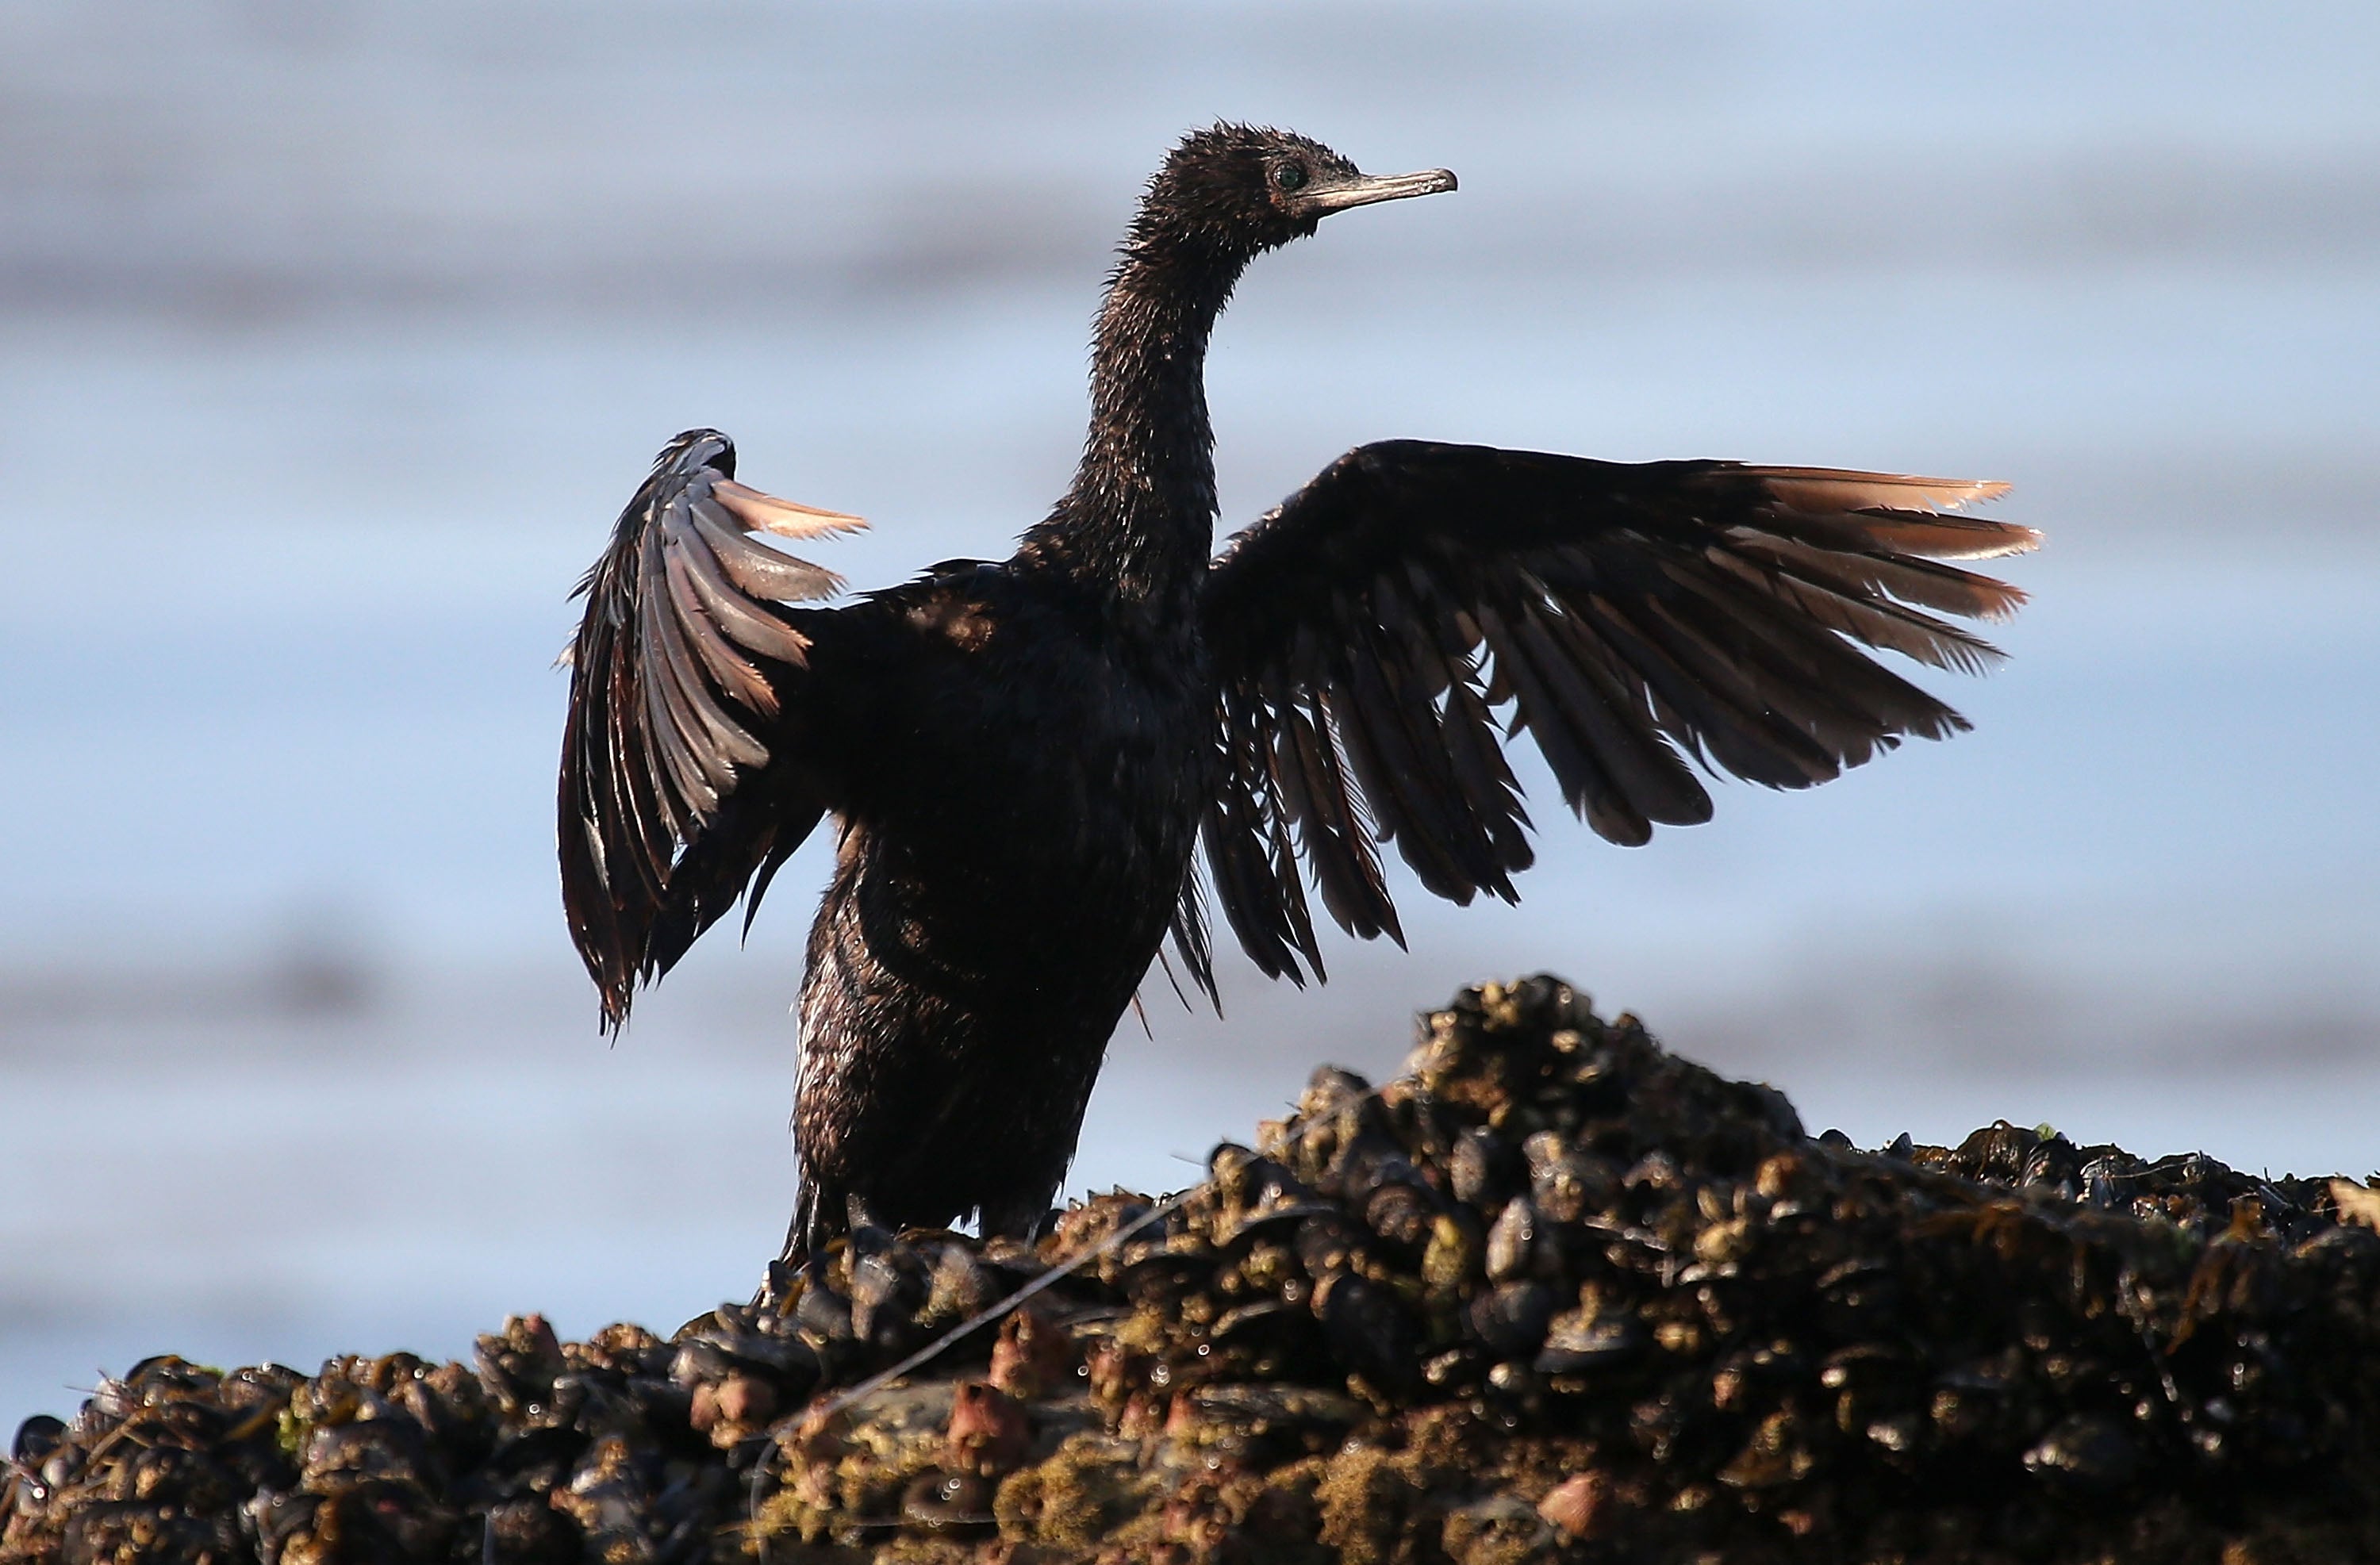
1326	196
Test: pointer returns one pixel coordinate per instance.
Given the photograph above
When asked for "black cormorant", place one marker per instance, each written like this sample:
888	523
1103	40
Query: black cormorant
1019	757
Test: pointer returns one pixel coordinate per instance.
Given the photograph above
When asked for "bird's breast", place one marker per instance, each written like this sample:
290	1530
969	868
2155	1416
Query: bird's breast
1046	770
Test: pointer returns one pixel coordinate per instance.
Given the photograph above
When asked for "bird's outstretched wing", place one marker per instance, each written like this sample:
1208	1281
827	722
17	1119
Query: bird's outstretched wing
1369	634
682	776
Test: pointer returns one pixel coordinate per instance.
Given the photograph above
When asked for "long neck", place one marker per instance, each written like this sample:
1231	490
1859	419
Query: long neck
1138	523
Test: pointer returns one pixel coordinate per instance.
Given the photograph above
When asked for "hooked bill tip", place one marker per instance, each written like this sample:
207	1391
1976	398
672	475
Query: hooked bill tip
1366	189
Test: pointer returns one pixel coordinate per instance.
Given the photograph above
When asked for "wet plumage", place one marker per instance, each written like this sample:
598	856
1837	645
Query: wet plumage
1020	757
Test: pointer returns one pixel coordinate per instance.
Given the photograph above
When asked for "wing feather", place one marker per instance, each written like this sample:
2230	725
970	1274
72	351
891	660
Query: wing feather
1635	620
740	618
735	673
1338	846
1523	648
1614	719
760	573
1399	774
685	777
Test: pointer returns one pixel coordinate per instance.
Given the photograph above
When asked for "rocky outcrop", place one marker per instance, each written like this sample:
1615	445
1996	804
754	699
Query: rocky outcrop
1553	1294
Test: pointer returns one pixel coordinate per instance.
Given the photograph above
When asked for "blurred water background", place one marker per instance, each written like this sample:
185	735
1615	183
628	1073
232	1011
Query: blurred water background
333	334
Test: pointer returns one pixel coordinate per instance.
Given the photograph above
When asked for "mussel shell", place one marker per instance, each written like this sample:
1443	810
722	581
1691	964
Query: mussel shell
1579	1344
1159	1272
277	1516
386	1449
1401	1215
1326	1242
1510	1238
698	1360
824	1312
1248	1178
2055	1163
528	1531
1368	1331
1866	1366
36	1437
959	1285
1509	1321
1332	1090
1566	1184
948	1502
882	1302
1859	1298
1239	1233
258	1386
1483	1169
2085	1453
1265	1317
1365	1161
710	1354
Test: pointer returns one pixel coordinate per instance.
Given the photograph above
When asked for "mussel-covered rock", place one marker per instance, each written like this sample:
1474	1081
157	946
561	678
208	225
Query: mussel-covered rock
1550	1294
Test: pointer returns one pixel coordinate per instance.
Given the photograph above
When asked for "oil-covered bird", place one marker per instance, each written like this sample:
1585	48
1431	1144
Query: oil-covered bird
1021	757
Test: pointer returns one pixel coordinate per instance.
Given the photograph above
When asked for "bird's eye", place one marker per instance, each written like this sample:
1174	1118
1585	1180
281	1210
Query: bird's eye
1290	175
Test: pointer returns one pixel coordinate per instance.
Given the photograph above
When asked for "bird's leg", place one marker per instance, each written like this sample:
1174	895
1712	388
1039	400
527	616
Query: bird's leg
812	1229
861	1215
1026	1218
776	1286
809	1230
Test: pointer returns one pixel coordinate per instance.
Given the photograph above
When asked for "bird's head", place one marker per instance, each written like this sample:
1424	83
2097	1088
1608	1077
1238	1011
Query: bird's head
1232	191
